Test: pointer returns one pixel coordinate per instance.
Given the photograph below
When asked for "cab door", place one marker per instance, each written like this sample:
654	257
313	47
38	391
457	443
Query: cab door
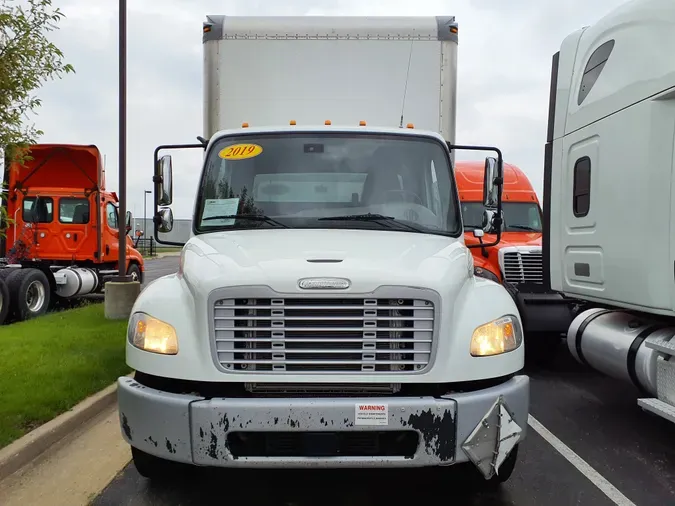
77	233
110	233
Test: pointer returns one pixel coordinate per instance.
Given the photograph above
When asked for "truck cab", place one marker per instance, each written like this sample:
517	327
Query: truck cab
609	171
325	312
63	223
516	261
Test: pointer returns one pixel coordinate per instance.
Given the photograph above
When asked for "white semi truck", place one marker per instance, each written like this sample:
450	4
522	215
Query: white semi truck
609	189
325	312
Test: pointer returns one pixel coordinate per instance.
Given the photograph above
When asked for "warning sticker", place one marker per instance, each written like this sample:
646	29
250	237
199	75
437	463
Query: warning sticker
371	414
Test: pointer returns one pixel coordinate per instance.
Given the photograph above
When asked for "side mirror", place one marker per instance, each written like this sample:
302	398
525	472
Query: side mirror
129	221
491	221
488	218
165	220
490	183
164	187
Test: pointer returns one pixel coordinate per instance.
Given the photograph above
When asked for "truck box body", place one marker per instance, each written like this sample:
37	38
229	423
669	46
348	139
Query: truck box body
609	191
271	70
310	310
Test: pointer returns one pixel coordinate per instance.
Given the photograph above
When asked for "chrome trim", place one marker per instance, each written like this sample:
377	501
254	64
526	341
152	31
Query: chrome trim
318	353
524	265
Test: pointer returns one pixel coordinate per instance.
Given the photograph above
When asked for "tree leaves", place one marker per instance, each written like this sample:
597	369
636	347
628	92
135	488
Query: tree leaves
27	60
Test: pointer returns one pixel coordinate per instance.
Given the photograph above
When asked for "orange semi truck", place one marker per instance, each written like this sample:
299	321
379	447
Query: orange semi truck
516	262
61	239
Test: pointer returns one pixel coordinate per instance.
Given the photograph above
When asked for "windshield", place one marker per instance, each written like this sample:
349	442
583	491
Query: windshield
518	216
337	180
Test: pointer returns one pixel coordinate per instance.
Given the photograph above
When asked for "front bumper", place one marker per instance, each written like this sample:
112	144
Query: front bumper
481	426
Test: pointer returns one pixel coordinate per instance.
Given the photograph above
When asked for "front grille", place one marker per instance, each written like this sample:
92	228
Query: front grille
322	335
523	267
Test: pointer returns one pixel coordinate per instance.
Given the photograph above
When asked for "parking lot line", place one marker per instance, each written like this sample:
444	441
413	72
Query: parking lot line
584	468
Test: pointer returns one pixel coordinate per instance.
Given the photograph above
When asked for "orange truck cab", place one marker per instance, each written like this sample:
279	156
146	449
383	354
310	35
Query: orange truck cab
516	262
61	240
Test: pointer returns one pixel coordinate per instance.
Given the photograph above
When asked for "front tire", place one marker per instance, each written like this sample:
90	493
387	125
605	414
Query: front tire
152	467
135	272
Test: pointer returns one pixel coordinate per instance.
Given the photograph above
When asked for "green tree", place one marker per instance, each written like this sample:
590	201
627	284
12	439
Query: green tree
27	60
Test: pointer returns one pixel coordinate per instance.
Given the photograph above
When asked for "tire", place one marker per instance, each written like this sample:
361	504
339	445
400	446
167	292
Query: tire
153	468
4	301
476	481
135	272
505	471
29	293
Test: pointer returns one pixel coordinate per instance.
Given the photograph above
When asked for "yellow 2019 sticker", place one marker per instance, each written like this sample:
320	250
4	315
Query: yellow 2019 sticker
240	151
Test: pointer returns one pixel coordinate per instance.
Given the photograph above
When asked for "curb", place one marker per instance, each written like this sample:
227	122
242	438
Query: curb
26	449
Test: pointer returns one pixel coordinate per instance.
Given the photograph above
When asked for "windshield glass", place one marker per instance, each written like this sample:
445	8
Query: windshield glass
301	180
518	216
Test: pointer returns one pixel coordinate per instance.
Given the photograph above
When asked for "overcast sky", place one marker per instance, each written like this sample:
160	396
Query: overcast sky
504	67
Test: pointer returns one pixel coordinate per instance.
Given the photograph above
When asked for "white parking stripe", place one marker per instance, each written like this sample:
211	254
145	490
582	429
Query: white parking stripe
584	468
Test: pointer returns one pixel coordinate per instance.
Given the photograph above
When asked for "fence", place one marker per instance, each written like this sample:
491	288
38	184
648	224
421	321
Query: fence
146	246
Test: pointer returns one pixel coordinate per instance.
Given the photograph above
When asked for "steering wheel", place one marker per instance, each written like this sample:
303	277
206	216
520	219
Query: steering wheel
402	192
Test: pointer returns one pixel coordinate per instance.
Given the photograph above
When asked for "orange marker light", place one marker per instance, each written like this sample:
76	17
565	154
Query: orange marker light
244	125
453	29
362	123
410	125
327	122
292	122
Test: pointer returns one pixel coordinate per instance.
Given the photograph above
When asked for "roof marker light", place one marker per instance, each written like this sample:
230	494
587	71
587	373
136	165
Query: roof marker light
327	122
244	125
292	122
362	123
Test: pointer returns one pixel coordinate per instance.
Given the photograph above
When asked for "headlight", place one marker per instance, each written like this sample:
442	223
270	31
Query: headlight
484	273
153	335
497	337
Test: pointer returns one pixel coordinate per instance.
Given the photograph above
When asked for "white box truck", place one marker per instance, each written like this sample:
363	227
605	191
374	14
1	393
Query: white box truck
325	312
609	188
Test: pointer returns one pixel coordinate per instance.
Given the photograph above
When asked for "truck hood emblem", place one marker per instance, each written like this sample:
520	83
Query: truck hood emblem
324	283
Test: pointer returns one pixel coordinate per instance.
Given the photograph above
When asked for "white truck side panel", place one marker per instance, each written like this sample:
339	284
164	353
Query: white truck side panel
350	69
621	251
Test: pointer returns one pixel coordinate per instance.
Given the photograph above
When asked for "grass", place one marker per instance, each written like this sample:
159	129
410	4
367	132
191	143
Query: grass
49	364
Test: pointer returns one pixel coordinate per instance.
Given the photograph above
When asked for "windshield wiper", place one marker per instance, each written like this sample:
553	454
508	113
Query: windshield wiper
251	217
524	227
377	218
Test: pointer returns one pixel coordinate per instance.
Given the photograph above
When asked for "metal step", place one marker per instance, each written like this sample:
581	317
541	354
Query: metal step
658	407
664	344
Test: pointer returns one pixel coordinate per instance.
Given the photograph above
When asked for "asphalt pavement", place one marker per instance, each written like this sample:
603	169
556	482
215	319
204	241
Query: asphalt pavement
588	444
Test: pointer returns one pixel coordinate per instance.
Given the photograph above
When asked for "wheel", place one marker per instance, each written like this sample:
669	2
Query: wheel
478	482
4	300
29	293
505	471
153	468
135	272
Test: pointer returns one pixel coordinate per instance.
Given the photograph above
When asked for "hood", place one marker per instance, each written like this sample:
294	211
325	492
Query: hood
279	258
508	239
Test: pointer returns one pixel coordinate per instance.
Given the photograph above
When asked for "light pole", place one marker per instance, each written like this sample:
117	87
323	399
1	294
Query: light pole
122	258
145	217
121	292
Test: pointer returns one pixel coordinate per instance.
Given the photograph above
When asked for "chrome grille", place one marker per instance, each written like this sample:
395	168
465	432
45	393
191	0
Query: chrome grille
523	267
346	335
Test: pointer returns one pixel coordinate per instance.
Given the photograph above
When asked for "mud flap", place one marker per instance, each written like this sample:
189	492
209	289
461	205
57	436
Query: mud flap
493	439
